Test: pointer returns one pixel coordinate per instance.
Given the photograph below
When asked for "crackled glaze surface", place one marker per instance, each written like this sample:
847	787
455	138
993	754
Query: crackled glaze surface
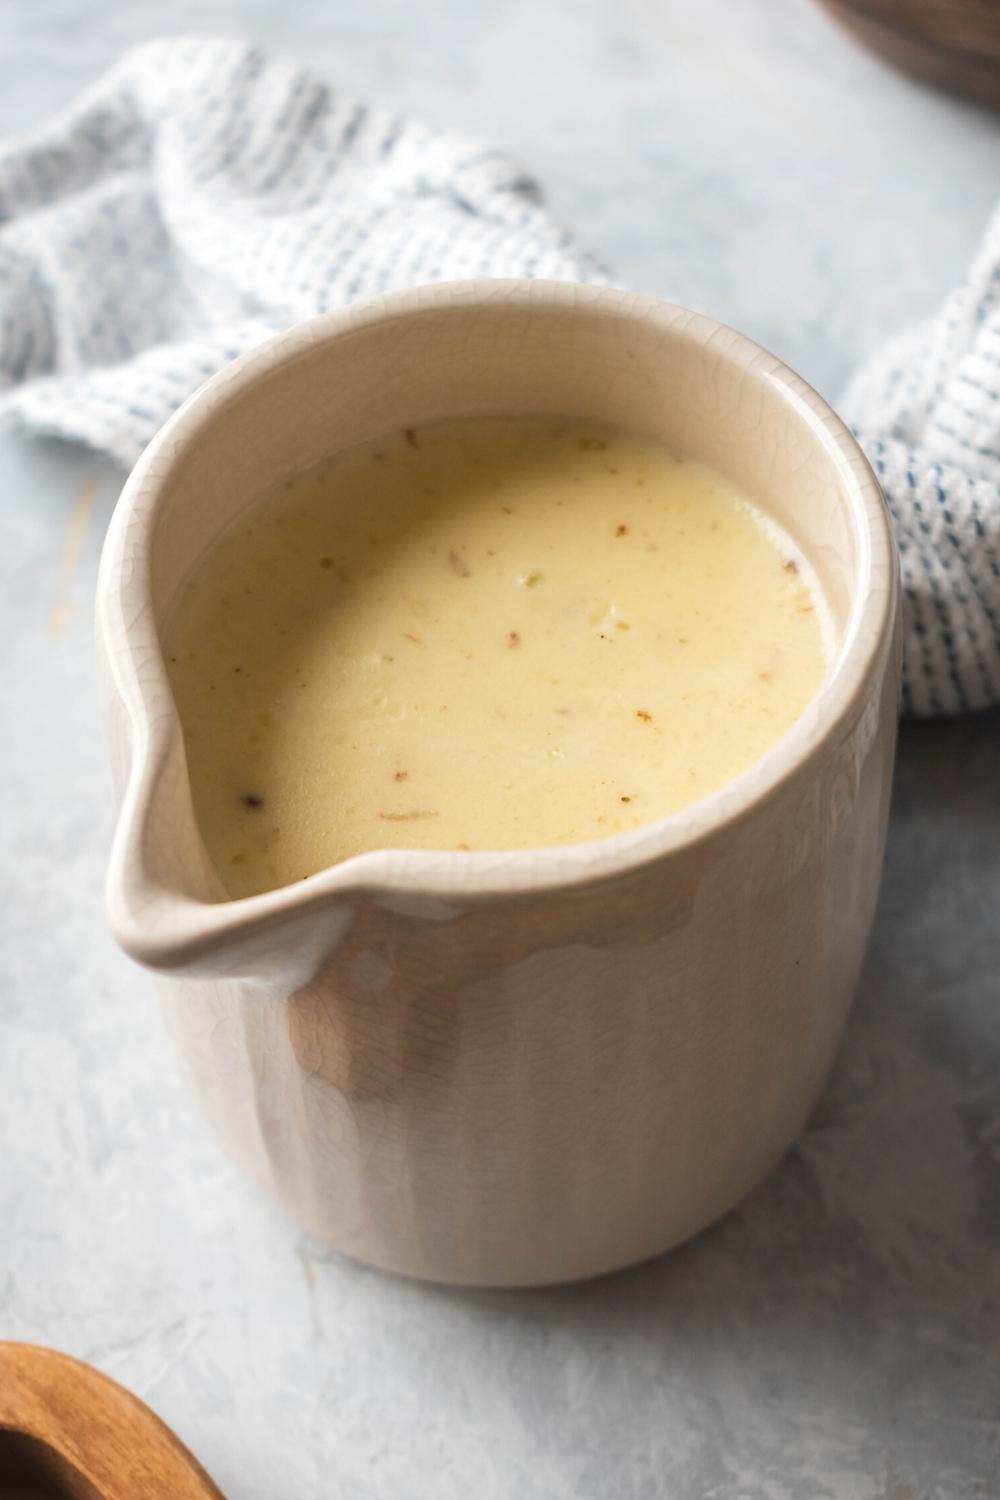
530	1066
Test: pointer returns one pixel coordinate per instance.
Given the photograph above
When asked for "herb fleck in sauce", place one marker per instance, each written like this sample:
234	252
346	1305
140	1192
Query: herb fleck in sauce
486	634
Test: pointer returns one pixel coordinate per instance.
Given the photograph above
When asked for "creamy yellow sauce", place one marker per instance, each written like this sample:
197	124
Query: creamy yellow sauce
486	634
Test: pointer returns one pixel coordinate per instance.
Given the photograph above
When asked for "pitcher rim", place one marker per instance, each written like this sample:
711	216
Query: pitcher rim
169	929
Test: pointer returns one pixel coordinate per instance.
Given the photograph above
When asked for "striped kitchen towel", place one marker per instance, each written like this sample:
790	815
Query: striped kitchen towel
926	408
202	196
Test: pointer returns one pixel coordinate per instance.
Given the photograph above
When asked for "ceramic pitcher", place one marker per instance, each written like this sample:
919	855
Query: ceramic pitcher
529	1066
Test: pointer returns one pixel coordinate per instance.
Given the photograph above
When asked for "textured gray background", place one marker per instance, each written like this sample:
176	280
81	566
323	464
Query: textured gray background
839	1337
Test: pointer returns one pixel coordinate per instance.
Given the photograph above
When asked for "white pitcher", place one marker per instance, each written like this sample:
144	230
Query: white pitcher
530	1066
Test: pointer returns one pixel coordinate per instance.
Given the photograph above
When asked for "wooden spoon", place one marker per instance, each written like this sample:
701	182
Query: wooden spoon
69	1433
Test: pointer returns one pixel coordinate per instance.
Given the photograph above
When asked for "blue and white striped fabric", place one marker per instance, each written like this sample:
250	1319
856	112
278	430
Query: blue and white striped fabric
201	197
927	410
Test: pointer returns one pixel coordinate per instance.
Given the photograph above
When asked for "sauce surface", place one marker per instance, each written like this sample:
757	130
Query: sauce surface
486	634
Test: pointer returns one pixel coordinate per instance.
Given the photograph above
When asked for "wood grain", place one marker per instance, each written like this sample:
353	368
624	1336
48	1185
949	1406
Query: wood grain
952	44
71	1433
